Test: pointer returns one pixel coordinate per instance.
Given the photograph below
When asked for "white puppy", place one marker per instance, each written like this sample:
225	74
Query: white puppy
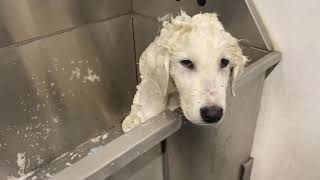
190	63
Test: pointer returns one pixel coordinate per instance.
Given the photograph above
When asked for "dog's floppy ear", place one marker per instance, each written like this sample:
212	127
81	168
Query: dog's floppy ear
154	66
237	70
151	96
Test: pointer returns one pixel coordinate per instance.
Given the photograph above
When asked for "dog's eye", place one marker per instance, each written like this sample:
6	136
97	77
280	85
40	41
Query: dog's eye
224	63
187	63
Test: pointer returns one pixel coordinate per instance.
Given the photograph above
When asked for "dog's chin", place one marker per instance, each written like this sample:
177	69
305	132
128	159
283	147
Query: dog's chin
203	123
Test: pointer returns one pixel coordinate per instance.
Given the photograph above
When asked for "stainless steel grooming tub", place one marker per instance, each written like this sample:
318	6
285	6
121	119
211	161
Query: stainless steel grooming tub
67	78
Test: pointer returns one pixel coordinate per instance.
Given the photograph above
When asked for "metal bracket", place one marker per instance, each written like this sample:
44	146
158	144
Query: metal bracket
246	169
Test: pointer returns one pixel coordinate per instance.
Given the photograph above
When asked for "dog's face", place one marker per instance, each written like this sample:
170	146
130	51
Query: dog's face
200	57
200	69
201	60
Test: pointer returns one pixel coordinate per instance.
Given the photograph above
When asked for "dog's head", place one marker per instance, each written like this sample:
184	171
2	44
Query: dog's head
201	58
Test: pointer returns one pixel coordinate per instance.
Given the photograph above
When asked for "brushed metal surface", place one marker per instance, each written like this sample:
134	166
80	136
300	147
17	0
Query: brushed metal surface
216	152
59	91
23	20
148	166
260	25
235	15
88	148
120	152
145	31
258	68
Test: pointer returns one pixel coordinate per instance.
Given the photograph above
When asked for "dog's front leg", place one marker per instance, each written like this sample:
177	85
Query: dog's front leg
148	101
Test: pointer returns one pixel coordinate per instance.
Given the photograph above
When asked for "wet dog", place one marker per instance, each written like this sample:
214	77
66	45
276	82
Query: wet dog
189	65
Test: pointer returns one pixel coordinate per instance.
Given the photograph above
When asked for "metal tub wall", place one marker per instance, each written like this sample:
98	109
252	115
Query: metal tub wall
145	167
133	155
33	19
67	75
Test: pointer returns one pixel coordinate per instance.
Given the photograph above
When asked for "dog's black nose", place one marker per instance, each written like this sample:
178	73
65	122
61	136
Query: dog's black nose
211	114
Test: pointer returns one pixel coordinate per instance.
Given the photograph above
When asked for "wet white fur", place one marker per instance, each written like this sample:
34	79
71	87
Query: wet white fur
165	82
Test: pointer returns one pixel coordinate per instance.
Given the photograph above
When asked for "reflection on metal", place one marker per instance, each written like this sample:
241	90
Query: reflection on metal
68	75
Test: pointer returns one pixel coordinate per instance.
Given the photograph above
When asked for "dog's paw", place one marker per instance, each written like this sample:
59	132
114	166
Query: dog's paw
130	122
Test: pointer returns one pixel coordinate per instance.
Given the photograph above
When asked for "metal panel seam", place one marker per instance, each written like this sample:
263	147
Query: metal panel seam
21	43
262	29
